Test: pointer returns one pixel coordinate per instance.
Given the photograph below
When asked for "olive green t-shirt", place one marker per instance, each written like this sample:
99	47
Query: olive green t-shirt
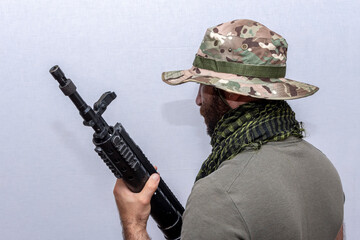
285	190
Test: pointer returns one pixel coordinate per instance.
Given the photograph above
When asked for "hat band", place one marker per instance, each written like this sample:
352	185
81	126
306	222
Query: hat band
239	68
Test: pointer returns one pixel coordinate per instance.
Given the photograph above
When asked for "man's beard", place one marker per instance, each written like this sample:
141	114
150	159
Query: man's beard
213	111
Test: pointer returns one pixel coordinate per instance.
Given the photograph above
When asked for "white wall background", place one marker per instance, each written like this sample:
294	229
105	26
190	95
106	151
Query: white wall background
52	184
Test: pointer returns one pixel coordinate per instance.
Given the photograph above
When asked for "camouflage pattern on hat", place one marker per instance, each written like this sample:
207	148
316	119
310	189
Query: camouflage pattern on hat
229	48
244	41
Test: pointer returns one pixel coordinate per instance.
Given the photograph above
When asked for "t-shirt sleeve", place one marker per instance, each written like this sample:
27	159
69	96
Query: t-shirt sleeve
211	214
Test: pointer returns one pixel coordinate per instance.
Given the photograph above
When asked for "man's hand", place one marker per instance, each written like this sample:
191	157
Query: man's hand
340	235
134	208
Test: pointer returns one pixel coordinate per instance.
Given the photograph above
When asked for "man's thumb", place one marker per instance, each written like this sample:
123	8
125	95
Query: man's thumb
151	185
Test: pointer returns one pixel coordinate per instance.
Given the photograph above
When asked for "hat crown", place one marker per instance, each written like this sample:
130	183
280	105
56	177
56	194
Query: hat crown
244	41
243	57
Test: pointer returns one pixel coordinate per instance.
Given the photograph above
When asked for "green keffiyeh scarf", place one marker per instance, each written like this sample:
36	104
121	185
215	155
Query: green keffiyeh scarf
249	126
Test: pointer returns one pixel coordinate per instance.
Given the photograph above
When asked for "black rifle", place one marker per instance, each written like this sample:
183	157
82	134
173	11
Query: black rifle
124	158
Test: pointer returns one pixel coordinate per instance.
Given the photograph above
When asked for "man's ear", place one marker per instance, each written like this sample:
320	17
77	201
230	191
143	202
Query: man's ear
237	97
236	100
231	96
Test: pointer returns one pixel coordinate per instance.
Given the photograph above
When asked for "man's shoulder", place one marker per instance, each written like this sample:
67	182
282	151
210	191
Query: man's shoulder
283	154
278	185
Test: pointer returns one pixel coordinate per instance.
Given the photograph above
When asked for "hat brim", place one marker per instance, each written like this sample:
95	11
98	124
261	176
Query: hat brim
264	88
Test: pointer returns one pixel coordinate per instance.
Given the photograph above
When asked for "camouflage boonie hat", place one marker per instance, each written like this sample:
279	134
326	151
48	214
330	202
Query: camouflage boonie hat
243	57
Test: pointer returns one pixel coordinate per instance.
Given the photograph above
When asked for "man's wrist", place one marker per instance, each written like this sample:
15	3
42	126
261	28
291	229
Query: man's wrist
134	230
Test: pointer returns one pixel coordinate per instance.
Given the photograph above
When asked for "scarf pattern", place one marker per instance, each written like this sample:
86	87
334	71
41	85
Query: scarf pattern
250	126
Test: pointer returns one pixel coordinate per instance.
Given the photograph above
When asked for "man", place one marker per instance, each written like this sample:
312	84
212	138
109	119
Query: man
261	180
